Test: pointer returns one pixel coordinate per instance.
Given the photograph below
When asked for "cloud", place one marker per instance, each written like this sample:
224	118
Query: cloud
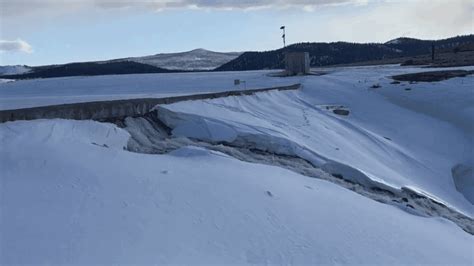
15	46
425	19
15	8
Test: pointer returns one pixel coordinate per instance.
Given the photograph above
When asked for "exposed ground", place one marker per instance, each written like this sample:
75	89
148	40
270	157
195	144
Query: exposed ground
433	76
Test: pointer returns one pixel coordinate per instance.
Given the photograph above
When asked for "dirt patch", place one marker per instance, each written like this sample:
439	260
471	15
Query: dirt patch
433	76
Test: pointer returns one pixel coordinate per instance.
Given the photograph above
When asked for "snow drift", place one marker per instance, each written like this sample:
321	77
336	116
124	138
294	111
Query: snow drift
72	192
74	196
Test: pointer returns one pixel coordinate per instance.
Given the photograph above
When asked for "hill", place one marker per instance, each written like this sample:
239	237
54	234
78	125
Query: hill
13	70
325	54
197	59
395	51
194	60
88	69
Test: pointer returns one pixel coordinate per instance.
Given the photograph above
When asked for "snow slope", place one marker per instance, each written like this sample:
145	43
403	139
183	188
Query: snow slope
41	92
13	70
197	59
70	194
387	138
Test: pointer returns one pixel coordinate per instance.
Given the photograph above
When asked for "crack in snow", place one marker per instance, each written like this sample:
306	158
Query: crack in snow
150	135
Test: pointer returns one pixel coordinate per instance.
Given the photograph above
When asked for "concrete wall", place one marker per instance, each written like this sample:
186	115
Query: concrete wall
297	63
109	110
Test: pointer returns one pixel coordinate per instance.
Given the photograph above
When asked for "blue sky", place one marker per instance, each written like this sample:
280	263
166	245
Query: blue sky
38	32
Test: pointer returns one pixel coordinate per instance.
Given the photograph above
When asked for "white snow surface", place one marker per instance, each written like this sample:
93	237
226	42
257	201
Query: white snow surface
395	41
392	136
68	199
51	91
14	70
71	194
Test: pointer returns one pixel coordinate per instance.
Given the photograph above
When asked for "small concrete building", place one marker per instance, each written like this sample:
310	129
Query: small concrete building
296	63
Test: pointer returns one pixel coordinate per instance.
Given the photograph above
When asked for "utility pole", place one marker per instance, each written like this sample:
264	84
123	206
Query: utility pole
283	36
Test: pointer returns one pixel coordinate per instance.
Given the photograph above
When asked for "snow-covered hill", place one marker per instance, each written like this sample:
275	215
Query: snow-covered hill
403	40
198	59
14	70
195	60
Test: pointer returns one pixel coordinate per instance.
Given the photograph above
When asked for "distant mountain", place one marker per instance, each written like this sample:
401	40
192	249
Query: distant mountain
88	69
195	60
13	70
321	54
198	59
410	46
324	54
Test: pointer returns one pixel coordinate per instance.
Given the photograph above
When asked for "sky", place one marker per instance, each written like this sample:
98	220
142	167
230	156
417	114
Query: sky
41	32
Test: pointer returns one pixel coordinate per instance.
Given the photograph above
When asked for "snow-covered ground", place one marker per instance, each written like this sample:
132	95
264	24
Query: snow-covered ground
41	92
68	198
71	193
401	144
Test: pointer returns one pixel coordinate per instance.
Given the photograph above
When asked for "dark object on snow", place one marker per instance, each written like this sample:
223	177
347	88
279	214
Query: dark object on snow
432	76
341	112
395	82
103	145
375	86
338	175
296	63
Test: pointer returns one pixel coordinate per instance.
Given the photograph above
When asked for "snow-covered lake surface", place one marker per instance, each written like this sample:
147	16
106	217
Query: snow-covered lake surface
42	92
70	193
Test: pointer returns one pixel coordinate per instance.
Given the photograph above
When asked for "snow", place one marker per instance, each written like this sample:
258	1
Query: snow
395	41
382	140
70	193
6	80
65	200
464	179
42	92
197	59
13	70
